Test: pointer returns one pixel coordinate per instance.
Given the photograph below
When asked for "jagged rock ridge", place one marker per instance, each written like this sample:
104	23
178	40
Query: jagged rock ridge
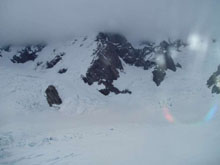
112	51
113	48
29	53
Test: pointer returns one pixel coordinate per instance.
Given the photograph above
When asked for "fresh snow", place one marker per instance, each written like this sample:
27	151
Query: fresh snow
92	129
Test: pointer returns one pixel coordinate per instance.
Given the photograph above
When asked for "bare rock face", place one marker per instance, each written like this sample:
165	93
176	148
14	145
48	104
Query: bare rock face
53	96
29	53
63	70
114	48
6	48
53	62
158	75
107	64
214	81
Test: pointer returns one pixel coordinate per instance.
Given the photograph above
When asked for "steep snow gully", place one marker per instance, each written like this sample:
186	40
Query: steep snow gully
102	99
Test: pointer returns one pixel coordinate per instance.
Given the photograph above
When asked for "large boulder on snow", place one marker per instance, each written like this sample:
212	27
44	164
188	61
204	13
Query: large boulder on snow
52	96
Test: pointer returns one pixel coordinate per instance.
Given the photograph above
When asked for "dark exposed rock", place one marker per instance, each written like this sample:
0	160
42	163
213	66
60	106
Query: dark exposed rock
53	62
85	38
39	63
158	75
104	91
107	64
169	62
111	37
6	48
63	70
105	69
214	80
178	65
126	91
114	48
164	49
53	96
29	53
164	45
113	89
216	89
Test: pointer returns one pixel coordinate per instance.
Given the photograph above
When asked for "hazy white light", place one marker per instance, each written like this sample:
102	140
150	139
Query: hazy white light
160	60
173	53
218	82
197	43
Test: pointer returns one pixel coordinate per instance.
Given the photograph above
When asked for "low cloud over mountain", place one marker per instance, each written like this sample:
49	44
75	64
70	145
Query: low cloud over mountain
36	20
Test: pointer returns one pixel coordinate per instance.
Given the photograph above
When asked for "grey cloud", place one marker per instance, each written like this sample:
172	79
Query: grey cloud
35	20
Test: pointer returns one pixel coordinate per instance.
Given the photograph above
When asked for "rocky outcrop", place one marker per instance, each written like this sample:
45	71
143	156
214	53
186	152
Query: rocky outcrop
114	48
106	64
163	50
5	48
53	96
63	70
29	53
158	75
214	81
54	61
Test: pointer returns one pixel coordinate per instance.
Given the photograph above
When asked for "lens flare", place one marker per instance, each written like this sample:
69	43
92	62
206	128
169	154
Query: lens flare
167	115
209	116
198	43
211	113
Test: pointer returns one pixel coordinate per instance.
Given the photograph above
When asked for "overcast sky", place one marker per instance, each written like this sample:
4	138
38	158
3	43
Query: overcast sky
29	20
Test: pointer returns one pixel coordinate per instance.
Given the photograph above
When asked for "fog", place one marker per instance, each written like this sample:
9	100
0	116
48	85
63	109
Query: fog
37	20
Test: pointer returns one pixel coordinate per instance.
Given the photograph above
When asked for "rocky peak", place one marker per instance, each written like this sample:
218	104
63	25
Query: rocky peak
113	48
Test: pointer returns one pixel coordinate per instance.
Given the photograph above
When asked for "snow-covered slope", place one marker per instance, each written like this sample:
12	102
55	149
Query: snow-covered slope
174	123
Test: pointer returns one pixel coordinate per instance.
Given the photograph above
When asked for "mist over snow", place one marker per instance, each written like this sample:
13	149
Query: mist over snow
37	20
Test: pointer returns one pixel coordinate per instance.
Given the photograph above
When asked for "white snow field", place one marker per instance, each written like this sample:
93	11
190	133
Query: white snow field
176	123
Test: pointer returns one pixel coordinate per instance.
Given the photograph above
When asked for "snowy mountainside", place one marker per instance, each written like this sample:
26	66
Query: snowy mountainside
75	57
91	128
38	77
